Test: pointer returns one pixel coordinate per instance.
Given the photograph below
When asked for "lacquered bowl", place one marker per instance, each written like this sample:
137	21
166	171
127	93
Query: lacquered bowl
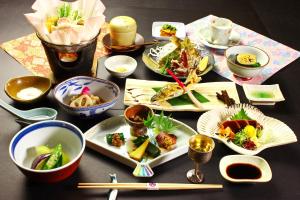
246	72
105	89
51	133
14	86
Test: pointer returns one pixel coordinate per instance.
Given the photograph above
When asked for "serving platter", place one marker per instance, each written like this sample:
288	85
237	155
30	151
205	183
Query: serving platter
151	61
141	91
274	132
96	140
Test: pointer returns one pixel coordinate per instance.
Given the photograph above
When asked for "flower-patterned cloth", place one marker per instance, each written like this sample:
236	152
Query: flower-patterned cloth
280	55
29	51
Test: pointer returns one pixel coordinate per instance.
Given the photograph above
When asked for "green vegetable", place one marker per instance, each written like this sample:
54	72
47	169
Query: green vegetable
241	115
256	65
240	138
109	137
152	150
165	63
140	140
54	158
169	27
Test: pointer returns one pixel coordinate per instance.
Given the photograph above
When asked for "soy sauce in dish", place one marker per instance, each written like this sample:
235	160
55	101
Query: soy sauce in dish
243	171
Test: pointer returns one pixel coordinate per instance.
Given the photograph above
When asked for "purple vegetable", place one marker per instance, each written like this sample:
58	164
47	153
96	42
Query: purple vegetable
39	161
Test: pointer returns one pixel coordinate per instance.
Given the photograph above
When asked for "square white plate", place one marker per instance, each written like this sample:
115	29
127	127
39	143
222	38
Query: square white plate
156	26
96	140
263	94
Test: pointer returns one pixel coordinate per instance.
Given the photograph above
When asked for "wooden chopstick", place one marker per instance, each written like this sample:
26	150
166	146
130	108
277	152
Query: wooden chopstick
133	46
148	186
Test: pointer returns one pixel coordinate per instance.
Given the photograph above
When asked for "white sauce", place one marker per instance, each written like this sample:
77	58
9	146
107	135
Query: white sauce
29	93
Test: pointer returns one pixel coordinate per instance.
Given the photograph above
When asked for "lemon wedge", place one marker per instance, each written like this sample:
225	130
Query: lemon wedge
203	63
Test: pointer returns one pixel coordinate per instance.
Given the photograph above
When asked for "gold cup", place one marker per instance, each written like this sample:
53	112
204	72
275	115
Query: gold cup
200	151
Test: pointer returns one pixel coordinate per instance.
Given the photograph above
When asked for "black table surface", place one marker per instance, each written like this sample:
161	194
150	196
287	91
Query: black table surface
277	20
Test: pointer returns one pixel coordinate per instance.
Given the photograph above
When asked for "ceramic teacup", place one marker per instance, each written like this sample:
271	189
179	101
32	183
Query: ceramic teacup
220	30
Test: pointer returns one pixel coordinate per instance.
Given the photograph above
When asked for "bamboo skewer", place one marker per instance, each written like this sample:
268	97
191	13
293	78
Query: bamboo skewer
189	93
148	186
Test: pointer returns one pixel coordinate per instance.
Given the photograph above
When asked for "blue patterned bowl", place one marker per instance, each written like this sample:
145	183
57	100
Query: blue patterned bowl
105	89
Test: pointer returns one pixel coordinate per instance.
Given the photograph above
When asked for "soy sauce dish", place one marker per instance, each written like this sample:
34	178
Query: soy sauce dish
245	169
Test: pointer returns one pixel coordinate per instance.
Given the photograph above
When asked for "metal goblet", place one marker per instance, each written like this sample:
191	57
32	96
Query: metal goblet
200	151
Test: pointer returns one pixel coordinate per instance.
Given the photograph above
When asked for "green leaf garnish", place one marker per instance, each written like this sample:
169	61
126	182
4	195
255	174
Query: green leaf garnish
241	115
160	122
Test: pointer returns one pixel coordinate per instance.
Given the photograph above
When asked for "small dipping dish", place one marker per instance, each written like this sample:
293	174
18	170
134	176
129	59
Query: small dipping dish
27	89
135	116
245	169
120	66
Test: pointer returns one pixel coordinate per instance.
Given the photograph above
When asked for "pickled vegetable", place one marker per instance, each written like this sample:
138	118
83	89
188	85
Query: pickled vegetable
54	158
140	151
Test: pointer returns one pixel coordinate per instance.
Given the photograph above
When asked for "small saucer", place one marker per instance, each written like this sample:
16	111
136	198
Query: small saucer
255	161
263	94
139	39
205	34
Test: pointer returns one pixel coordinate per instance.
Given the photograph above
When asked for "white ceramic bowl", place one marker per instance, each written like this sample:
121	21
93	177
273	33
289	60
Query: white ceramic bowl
120	66
244	71
105	89
52	132
260	163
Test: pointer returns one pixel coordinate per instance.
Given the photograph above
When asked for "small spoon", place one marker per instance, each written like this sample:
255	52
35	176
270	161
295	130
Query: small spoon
31	116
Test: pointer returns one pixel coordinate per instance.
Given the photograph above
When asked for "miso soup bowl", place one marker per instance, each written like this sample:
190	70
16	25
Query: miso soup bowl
22	148
246	72
105	89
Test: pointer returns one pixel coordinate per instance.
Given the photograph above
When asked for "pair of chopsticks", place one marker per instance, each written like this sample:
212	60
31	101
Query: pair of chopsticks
189	93
148	186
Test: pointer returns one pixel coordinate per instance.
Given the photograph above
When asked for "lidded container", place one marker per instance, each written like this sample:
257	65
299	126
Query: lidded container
122	30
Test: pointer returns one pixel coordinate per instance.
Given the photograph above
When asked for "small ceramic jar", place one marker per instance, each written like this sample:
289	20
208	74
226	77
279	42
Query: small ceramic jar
122	31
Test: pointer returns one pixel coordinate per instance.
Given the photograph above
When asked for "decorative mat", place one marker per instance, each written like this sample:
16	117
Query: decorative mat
29	52
280	55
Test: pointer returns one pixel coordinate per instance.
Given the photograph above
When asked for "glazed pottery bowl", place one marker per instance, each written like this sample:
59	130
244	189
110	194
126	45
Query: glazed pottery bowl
22	148
27	89
247	72
135	114
105	89
120	66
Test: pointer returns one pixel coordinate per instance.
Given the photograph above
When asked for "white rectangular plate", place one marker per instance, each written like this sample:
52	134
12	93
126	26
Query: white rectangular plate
156	26
141	91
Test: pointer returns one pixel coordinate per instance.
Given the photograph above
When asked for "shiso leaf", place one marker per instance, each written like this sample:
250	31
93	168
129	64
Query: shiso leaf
241	115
